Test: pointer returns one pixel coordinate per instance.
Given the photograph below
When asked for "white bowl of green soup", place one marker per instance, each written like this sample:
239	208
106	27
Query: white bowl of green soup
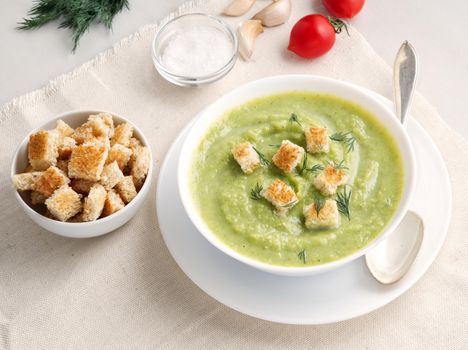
296	174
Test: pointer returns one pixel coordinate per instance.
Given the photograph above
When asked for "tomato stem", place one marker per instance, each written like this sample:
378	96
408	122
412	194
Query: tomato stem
338	24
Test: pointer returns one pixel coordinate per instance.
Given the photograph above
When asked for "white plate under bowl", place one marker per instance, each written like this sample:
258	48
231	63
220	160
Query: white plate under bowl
338	295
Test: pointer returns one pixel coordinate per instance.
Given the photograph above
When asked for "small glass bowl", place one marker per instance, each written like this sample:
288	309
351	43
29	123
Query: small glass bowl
178	25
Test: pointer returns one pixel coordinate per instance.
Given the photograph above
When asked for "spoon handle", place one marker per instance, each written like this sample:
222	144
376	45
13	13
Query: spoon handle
404	79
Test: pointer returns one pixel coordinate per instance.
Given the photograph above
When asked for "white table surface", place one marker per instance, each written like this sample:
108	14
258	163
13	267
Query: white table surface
29	59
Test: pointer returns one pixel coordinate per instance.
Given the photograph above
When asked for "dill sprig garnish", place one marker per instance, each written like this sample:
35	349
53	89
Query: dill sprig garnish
319	202
76	15
343	200
316	167
339	166
304	167
263	160
304	163
346	138
294	119
302	256
275	145
256	192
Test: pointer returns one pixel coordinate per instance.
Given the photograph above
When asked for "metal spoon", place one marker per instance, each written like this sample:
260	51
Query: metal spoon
392	258
404	79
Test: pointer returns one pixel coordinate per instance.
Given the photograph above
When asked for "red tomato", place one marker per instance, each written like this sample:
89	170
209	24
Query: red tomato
312	36
343	8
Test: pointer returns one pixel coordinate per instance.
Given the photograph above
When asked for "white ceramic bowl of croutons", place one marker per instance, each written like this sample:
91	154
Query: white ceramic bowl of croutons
86	229
280	84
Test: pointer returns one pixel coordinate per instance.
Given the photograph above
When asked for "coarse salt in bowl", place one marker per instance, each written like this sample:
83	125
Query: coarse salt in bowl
194	49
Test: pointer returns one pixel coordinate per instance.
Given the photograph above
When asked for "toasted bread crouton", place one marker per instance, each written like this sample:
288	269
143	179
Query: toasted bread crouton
100	141
62	164
26	181
50	180
64	203
247	157
140	166
63	129
93	129
328	180
280	195
99	126
28	169
37	198
83	133
111	175
328	215
288	156
126	189
77	218
107	119
120	154
317	140
122	134
94	203
87	161
65	147
112	203
134	144
81	186
42	149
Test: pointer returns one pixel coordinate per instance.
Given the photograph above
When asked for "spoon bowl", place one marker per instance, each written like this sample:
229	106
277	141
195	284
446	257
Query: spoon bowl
391	260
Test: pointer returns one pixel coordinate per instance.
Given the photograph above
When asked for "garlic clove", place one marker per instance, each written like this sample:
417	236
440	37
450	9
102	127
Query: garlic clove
238	7
275	14
246	35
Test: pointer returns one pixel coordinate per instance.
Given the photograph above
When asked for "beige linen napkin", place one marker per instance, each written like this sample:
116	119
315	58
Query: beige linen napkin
124	290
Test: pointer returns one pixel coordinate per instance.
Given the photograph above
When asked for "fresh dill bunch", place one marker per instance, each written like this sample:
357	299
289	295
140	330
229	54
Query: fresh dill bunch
346	138
263	159
294	119
256	192
343	200
302	256
76	15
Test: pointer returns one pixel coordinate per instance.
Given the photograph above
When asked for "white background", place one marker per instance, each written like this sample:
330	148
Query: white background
436	28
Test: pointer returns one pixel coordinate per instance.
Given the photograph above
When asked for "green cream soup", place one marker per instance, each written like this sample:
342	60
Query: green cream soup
222	192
